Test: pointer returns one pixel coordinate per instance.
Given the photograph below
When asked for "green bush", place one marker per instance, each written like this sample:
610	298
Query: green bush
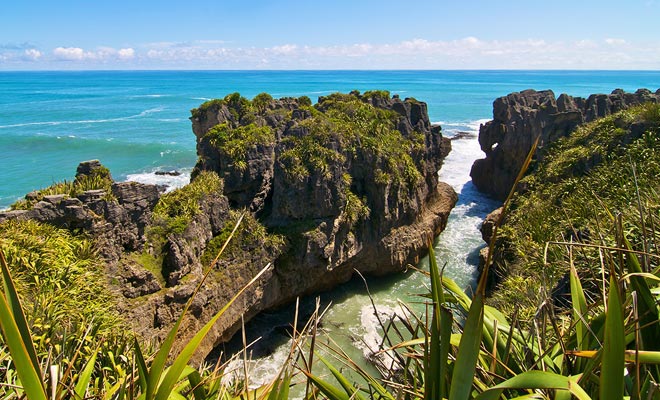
175	210
99	179
235	142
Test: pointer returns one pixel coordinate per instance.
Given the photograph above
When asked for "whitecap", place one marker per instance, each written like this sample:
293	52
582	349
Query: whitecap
84	121
171	182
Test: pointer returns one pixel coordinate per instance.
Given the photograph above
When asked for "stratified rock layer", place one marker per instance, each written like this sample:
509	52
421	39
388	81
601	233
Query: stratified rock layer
355	191
519	118
341	169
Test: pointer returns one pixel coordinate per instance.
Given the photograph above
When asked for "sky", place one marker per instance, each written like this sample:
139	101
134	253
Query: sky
330	34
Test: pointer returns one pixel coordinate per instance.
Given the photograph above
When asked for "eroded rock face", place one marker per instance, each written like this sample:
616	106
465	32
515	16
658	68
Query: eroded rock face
519	118
347	168
355	191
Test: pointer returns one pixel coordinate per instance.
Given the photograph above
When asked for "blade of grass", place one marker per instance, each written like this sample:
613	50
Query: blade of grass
195	380
435	379
331	391
143	372
579	305
536	380
19	315
350	390
85	378
611	376
468	351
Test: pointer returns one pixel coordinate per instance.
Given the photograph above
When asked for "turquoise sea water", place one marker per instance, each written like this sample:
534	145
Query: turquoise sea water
136	122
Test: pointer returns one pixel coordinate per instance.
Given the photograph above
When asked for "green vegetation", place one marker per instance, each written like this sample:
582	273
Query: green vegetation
345	124
235	142
356	209
56	272
176	209
606	168
339	125
251	235
261	101
382	94
238	106
99	179
68	310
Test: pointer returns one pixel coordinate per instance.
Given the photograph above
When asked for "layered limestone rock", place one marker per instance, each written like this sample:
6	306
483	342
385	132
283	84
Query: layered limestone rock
349	184
519	118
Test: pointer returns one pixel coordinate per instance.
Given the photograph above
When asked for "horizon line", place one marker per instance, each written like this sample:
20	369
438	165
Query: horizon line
336	70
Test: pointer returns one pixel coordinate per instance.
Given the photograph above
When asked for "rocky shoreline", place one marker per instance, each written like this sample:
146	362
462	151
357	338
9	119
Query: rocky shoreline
347	184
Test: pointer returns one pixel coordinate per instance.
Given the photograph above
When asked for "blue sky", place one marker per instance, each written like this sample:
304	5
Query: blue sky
341	34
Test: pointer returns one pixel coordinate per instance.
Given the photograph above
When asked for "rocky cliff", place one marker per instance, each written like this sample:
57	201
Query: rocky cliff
519	118
351	182
348	184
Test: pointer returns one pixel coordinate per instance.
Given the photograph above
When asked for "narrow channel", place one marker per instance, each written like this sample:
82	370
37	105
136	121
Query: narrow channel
350	320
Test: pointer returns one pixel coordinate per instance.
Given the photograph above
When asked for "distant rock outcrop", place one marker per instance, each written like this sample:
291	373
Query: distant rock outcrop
519	118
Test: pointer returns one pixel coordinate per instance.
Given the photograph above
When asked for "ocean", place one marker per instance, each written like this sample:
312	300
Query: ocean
136	123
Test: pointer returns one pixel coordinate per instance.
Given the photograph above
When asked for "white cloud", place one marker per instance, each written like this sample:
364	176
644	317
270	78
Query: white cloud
31	54
101	54
126	54
462	53
69	53
615	42
417	53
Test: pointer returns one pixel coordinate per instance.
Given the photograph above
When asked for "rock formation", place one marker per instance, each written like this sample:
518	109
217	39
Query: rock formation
519	118
348	184
352	181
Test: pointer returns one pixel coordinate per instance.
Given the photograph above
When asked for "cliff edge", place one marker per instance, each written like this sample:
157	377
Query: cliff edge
519	118
347	184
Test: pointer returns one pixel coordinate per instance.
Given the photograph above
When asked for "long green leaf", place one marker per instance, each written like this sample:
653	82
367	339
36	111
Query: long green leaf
579	308
348	388
537	380
19	315
280	388
32	384
195	380
468	351
18	340
331	391
436	350
611	375
177	367
85	377
143	372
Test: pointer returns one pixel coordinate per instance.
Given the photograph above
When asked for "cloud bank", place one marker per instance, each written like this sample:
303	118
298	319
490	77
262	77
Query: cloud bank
464	53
